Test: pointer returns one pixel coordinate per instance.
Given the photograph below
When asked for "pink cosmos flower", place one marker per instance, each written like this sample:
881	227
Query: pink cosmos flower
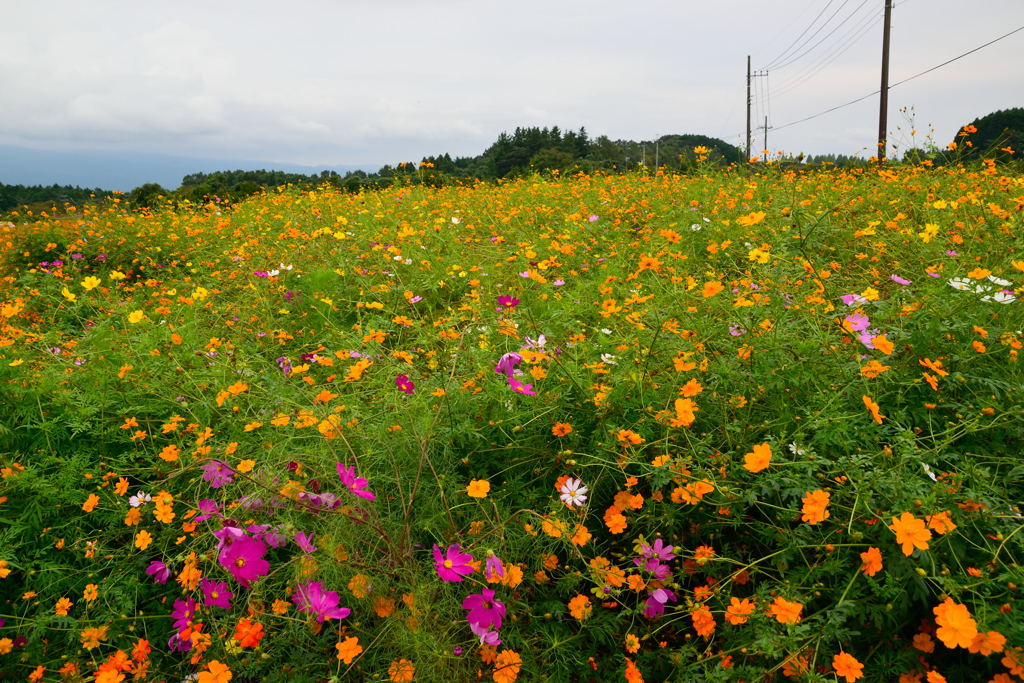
244	559
216	593
218	473
508	301
493	568
159	571
486	635
357	485
311	598
507	364
184	613
405	384
305	541
520	388
454	564
656	602
483	610
855	322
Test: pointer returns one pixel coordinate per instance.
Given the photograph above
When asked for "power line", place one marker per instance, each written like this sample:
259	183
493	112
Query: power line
910	78
782	55
950	61
824	38
849	40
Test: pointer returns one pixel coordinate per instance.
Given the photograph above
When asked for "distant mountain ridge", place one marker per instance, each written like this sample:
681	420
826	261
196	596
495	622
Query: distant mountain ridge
124	171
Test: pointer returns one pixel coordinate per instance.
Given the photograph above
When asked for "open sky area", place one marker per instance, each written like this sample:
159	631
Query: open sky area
369	82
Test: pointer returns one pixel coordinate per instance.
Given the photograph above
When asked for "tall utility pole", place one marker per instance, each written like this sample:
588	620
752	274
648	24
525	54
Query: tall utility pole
765	148
750	75
748	108
883	106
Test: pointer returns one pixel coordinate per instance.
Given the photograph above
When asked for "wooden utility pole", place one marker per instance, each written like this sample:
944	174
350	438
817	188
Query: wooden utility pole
883	106
748	107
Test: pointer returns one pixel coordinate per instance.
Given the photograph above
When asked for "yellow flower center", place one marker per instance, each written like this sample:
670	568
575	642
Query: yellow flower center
447	564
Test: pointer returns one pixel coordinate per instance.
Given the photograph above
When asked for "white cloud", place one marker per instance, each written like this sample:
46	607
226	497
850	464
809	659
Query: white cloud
360	81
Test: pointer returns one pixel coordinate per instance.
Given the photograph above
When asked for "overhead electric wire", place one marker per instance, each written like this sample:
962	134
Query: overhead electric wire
785	31
783	54
844	44
824	38
905	80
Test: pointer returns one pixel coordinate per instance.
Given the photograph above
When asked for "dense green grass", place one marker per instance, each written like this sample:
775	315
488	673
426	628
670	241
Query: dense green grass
861	328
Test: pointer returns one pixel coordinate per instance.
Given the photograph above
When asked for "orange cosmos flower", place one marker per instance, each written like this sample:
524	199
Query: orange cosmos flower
873	409
143	539
348	649
987	643
215	673
62	607
561	429
402	671
478	488
910	533
91	502
924	643
248	633
882	344
506	666
633	674
739	611
940	522
871	561
785	611
628	436
580	607
703	621
712	288
691	388
956	627
91	637
758	459
847	666
815	506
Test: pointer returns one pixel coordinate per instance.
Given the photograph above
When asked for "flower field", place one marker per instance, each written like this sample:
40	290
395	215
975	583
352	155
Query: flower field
651	427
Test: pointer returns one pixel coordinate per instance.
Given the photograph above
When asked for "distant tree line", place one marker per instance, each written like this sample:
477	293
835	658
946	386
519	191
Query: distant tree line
12	196
525	151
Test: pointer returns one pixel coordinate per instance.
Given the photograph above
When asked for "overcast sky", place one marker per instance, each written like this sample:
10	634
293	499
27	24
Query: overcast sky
379	81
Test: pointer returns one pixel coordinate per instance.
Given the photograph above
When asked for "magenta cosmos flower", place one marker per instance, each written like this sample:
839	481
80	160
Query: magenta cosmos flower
656	601
483	610
356	485
404	384
244	559
454	564
520	388
216	593
311	598
507	364
218	473
159	571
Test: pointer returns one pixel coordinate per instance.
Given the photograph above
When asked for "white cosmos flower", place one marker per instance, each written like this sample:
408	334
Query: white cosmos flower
1000	298
573	492
999	281
139	499
961	283
608	358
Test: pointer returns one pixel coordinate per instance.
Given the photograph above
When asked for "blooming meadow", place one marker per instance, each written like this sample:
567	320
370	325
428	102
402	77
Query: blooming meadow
722	427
